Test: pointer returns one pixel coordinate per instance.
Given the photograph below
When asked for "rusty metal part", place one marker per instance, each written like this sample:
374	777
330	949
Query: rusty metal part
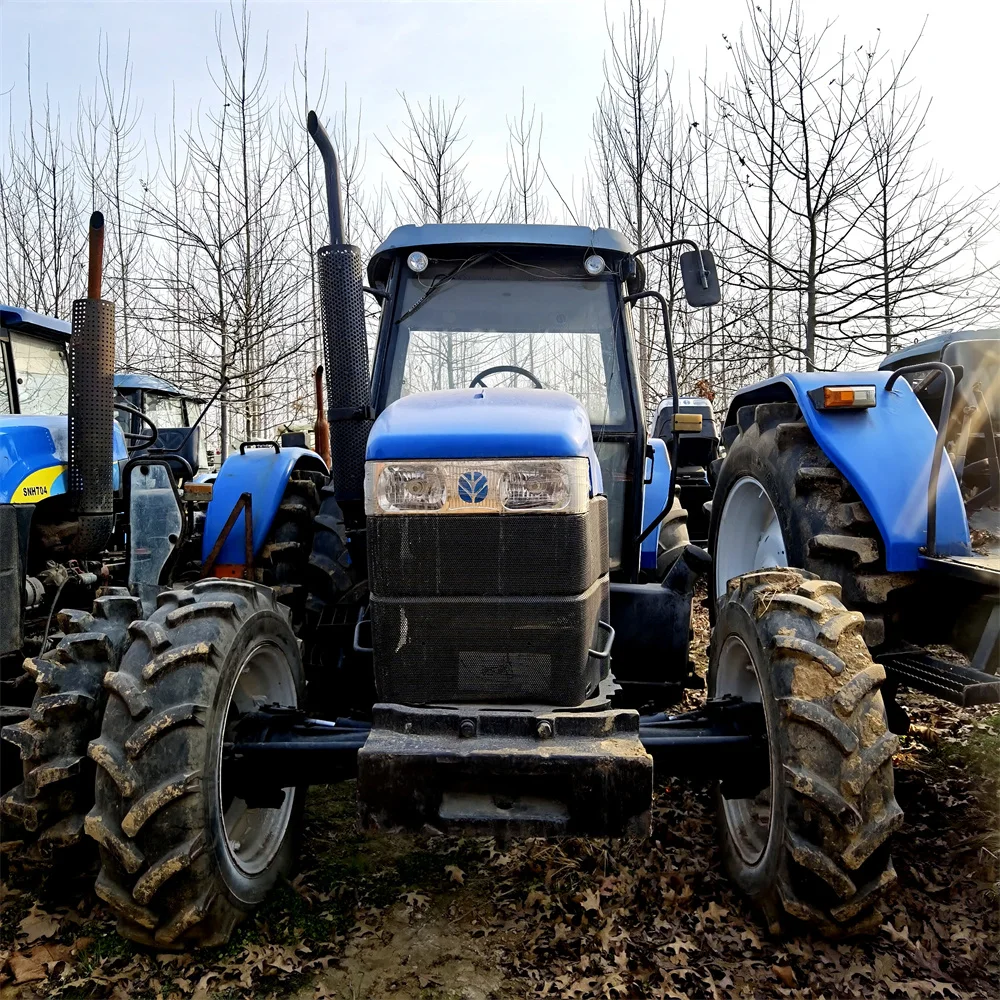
245	503
321	432
95	258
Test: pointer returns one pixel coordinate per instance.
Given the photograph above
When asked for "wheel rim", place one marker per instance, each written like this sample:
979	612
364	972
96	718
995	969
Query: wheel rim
748	820
749	536
253	836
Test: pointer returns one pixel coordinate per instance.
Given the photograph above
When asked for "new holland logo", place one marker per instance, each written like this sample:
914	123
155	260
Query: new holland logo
472	487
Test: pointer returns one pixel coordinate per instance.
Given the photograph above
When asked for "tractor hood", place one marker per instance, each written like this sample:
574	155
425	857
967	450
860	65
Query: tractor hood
485	424
33	456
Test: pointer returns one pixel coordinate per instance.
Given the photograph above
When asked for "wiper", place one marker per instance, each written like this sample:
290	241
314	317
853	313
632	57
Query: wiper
441	280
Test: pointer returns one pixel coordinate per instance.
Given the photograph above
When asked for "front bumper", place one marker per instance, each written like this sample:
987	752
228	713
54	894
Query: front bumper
484	771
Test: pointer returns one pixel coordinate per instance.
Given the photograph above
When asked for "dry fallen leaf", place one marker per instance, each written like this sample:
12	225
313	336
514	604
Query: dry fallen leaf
456	873
38	924
786	974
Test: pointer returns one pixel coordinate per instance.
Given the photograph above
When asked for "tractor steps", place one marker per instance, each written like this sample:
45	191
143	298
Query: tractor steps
923	671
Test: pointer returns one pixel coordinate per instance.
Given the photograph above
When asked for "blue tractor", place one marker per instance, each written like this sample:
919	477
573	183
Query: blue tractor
463	614
64	600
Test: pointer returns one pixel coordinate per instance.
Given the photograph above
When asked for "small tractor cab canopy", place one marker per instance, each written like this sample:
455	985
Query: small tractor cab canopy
34	374
526	307
172	411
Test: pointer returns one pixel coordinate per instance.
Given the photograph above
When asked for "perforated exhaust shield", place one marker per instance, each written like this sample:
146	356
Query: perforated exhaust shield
91	422
345	348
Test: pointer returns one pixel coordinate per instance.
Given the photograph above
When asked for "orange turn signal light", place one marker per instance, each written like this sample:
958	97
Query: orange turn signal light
843	397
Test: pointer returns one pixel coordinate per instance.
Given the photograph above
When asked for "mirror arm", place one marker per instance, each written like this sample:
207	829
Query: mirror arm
703	275
674	395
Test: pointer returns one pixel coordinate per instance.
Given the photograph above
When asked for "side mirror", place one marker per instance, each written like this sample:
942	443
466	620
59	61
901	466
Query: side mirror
701	280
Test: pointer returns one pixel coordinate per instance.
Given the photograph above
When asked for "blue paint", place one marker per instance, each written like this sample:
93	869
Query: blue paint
502	234
14	316
933	346
263	474
29	442
485	424
654	497
885	454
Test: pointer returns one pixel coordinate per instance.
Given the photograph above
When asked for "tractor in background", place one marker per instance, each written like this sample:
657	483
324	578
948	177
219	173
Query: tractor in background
461	611
887	483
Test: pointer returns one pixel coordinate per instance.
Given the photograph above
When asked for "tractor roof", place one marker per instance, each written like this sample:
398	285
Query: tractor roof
151	383
32	322
933	347
457	235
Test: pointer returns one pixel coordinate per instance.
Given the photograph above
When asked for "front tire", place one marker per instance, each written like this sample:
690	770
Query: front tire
813	846
183	860
44	813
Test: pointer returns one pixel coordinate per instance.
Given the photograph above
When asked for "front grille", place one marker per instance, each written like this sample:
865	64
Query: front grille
488	608
501	555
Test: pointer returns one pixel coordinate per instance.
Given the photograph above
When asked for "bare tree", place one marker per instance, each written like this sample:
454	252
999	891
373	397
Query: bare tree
525	174
43	237
430	156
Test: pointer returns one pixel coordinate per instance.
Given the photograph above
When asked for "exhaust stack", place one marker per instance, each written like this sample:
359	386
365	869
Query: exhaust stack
345	343
91	406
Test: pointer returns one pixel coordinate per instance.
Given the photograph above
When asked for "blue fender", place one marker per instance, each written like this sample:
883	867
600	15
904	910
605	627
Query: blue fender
34	451
885	453
263	474
654	497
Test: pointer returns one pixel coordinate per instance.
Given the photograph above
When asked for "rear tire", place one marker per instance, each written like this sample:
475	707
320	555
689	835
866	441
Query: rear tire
182	860
45	811
825	528
812	848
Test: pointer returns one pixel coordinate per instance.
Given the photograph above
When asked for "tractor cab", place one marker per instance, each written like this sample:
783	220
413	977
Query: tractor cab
153	403
520	307
34	370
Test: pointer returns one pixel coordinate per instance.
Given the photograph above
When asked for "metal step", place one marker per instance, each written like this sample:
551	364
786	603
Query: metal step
923	671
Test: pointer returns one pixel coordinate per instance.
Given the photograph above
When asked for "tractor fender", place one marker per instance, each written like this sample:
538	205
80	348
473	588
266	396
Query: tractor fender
884	452
263	474
654	497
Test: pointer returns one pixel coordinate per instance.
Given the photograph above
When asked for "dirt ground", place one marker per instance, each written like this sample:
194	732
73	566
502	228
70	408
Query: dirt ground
448	919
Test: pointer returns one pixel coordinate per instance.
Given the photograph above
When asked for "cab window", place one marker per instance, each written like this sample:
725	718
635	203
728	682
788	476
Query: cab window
41	375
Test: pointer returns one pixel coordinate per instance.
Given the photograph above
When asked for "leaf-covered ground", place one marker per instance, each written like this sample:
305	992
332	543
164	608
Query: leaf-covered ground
436	918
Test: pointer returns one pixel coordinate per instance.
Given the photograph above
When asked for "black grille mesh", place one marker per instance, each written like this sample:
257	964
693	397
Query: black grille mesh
513	649
345	349
495	608
501	555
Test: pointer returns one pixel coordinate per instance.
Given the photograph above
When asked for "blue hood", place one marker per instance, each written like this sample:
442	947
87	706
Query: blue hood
485	424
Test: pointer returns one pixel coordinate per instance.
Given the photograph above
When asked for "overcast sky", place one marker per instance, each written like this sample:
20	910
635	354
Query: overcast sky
485	52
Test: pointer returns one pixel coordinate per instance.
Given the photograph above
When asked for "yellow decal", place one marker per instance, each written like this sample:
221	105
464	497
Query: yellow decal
39	485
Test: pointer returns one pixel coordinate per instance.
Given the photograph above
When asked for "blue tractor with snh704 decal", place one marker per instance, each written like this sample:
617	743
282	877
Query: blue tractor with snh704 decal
467	612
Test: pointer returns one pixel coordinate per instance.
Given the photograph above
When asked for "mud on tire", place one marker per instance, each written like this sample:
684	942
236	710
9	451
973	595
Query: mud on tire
45	811
168	869
824	858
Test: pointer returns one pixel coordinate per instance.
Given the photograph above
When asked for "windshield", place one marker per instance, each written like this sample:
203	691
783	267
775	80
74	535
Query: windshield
41	375
561	330
164	411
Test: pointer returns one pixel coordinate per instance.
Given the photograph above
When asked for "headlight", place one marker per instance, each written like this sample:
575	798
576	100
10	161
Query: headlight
531	485
409	487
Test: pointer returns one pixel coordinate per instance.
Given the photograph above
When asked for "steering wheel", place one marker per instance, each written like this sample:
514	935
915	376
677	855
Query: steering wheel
478	380
137	442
